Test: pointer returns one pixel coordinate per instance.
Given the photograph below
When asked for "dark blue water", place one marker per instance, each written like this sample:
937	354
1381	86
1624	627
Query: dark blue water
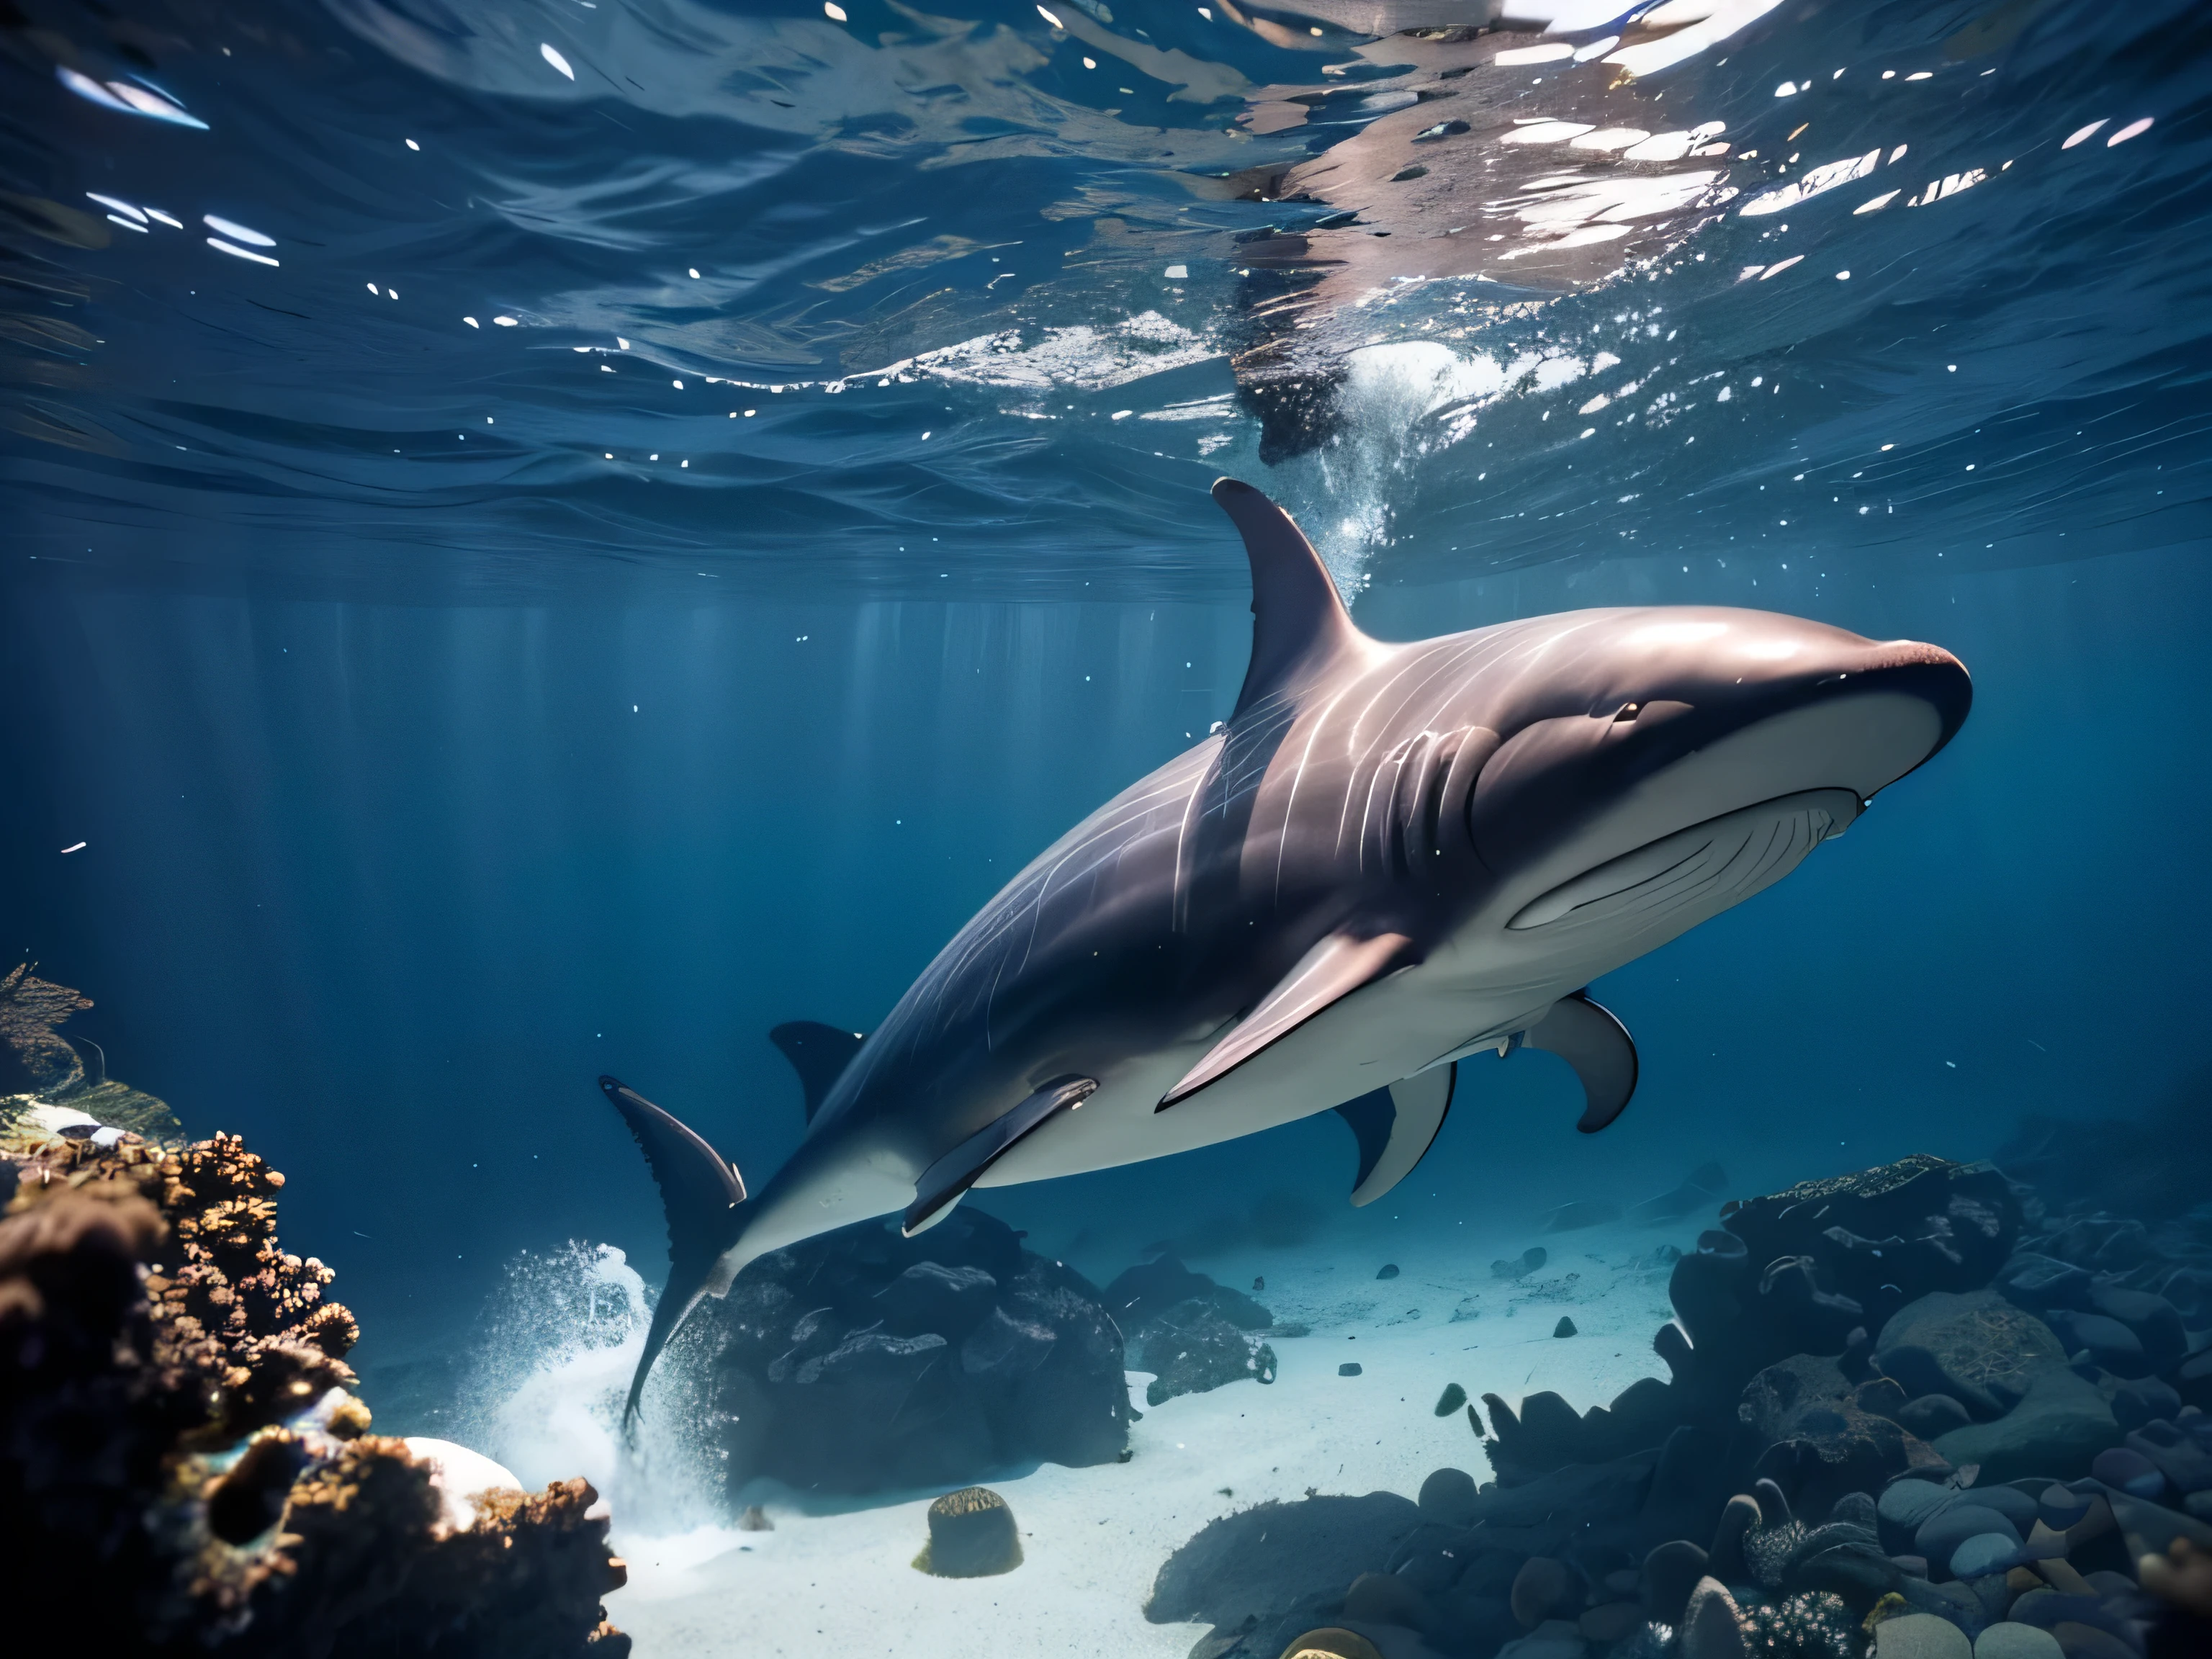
641	552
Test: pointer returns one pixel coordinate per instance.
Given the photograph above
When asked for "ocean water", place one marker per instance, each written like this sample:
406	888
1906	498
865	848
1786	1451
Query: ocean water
546	539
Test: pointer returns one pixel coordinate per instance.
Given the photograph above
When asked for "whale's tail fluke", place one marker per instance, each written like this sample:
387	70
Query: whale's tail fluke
700	1191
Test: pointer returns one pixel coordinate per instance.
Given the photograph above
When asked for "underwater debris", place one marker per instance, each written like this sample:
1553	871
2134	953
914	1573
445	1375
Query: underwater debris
34	1059
971	1535
181	1465
46	1087
1528	1260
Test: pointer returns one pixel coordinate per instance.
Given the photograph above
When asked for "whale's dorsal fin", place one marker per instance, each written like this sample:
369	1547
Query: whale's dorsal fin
819	1053
1298	618
1332	970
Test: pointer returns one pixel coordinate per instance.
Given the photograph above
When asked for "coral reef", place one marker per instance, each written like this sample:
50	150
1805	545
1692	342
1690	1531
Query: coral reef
183	1468
864	1361
1192	1334
1915	1410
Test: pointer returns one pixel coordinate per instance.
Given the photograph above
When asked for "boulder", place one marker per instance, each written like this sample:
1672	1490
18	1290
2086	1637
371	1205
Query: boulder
971	1535
1976	1347
2056	1430
1712	1626
2130	1471
1250	1565
2182	1455
864	1361
1448	1498
1544	1588
1940	1534
2156	1322
1820	1443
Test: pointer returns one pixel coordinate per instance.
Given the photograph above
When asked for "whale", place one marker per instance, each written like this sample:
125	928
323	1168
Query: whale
1391	860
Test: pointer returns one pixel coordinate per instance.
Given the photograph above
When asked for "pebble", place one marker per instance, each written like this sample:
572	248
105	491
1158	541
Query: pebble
1907	1504
2007	1640
2130	1471
1564	1328
1920	1635
1389	1270
1350	1368
1944	1531
1983	1552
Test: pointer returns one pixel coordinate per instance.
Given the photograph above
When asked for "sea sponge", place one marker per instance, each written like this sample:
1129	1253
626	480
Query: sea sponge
971	1535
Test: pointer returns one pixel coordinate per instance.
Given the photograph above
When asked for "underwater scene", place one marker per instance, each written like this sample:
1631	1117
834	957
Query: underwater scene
1322	830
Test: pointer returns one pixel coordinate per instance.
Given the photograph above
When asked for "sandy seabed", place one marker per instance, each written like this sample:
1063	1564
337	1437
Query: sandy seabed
840	1581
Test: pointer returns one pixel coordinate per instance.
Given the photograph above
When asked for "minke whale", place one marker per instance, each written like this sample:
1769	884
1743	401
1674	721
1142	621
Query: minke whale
1391	859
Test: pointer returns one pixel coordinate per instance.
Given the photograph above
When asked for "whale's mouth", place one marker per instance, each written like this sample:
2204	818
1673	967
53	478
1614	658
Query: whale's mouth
1709	866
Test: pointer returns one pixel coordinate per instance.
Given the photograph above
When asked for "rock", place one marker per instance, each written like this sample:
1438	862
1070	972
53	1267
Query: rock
2130	1471
2059	1507
1739	1517
1143	1292
1528	1260
2156	1322
1976	1347
1260	1560
1610	1623
2105	1339
1819	1441
1712	1624
1555	1640
1384	1598
2079	1641
863	1361
1543	1589
934	1297
971	1535
1564	1328
1983	1554
2056	1430
1193	1349
1886	1235
1932	1414
2138	1401
1904	1505
1856	1508
2039	1283
1844	1561
1387	1270
1350	1368
1670	1572
1450	1400
755	1519
1448	1497
2184	1459
1920	1635
1943	1532
2008	1640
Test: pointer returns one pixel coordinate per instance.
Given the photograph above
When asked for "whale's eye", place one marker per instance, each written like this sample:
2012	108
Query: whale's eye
1629	711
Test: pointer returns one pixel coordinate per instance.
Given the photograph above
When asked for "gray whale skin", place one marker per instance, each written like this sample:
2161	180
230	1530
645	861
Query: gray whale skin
1392	858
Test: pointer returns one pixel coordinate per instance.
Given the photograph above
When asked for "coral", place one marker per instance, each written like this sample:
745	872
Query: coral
1814	1625
182	1468
971	1535
1768	1550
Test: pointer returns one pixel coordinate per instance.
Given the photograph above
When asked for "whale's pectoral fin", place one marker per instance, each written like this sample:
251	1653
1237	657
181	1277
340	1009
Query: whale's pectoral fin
1395	1127
1598	1045
943	1181
1331	971
700	1192
819	1053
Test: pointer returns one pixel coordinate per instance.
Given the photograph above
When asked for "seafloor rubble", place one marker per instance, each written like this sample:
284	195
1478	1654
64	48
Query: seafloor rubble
1915	1412
183	1470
